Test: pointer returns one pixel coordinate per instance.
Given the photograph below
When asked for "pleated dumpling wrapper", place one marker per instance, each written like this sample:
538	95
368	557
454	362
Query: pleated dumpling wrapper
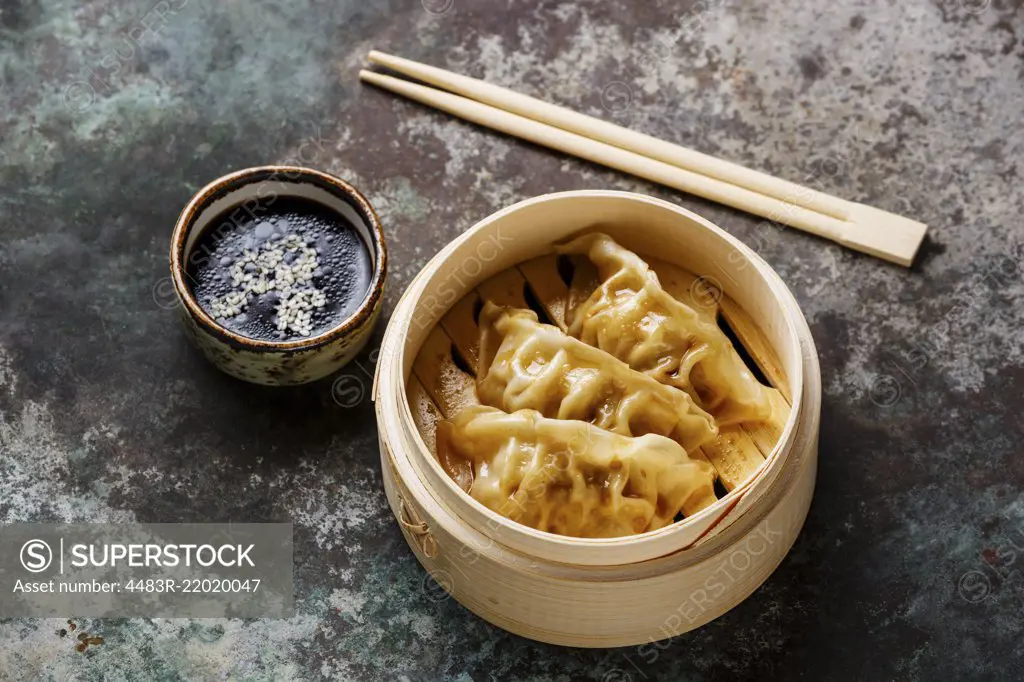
571	477
630	316
528	365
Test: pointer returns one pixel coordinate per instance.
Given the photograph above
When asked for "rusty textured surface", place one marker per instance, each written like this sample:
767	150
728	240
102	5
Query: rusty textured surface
909	566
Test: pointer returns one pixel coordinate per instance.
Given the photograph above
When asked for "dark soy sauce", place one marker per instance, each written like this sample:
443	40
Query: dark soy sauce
294	271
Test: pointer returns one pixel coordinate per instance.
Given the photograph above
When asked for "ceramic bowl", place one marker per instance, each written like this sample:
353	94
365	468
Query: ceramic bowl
276	363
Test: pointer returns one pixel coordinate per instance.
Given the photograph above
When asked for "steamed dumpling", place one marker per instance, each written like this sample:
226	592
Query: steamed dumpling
632	318
570	477
528	365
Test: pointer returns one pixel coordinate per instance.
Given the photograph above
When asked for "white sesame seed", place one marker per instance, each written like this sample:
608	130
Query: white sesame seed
292	282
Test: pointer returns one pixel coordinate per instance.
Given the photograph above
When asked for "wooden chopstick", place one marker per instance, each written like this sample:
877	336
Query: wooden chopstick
854	225
608	155
616	135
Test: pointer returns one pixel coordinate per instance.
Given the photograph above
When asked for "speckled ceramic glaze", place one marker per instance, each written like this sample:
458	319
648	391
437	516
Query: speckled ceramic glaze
277	362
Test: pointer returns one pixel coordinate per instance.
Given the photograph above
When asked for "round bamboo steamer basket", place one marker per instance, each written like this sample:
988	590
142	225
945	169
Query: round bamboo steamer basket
599	592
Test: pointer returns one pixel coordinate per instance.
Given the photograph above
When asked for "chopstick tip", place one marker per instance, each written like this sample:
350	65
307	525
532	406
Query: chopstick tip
378	57
379	79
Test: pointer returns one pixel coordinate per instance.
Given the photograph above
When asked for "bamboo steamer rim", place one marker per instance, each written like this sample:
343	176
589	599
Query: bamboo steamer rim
399	431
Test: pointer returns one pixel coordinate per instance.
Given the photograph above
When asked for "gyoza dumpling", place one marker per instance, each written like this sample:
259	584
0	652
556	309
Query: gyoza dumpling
528	365
570	477
631	317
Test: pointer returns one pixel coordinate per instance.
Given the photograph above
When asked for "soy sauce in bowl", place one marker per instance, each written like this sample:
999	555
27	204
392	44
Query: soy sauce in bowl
296	270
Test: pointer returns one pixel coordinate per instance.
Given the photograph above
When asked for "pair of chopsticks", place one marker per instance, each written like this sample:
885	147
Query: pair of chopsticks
857	226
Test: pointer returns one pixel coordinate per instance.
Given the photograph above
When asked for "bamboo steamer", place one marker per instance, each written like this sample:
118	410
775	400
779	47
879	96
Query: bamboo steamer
600	592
